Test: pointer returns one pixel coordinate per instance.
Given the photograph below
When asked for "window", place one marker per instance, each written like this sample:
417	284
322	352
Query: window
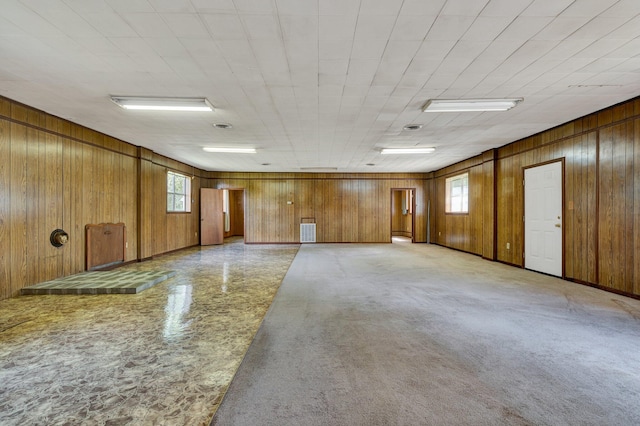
178	192
457	194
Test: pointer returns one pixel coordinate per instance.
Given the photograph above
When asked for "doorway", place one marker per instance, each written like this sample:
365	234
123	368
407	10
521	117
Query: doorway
543	218
402	215
233	211
221	215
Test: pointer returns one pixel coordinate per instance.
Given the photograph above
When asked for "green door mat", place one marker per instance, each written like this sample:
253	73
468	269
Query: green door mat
97	282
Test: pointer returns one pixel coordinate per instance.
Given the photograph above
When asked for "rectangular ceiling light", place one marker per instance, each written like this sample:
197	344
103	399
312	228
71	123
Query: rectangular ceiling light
407	150
231	150
470	105
162	104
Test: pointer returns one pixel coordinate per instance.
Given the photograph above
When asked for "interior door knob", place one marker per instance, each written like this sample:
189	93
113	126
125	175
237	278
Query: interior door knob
558	225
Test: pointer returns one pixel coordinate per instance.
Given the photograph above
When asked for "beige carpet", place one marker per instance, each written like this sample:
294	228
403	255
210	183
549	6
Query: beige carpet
422	335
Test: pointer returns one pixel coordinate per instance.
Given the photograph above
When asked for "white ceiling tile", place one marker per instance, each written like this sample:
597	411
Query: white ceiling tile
167	46
185	24
334	66
605	48
629	30
337	27
449	27
361	72
561	28
412	27
133	46
374	27
131	6
599	27
89	6
99	46
487	27
505	8
270	69
297	7
549	8
339	7
587	7
148	25
23	17
213	6
368	49
625	49
525	27
380	7
110	25
255	6
224	26
262	27
300	27
463	7
623	8
172	6
334	49
421	7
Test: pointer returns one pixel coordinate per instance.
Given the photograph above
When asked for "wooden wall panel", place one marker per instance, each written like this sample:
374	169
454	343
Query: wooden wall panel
487	222
5	204
56	174
345	207
461	231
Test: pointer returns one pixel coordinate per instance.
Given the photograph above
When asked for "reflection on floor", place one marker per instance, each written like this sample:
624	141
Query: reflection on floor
164	356
400	240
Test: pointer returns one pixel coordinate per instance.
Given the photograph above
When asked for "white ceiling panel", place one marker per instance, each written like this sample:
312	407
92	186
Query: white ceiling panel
320	83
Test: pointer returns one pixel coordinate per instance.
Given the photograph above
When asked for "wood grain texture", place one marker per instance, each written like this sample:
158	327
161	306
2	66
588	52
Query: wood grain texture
345	207
57	174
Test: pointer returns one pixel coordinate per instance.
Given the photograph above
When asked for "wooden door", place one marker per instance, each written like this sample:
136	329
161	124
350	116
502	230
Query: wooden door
543	218
211	217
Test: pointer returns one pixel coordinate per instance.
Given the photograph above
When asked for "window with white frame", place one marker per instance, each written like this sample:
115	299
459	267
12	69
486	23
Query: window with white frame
178	192
457	194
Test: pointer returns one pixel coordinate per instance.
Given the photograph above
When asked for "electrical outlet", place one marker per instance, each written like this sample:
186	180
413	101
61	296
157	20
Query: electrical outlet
126	245
196	234
439	234
508	246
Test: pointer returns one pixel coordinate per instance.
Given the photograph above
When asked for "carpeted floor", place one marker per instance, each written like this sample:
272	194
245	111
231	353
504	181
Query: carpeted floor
417	334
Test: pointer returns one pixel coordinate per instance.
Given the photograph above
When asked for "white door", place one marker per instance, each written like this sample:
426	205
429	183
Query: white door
543	218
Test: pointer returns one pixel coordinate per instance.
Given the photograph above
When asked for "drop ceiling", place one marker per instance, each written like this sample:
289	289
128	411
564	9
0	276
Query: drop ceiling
315	84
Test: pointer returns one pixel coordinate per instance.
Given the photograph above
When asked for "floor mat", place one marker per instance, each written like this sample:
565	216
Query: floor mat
101	282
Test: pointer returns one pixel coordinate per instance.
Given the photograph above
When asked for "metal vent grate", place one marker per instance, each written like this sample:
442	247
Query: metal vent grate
307	232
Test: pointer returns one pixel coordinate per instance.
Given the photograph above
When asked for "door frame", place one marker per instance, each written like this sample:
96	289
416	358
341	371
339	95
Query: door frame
244	209
562	201
413	215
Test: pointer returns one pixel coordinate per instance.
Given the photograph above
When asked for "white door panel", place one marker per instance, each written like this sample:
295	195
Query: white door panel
543	218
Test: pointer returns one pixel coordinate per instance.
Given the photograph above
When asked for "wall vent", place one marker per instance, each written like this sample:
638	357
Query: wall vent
307	232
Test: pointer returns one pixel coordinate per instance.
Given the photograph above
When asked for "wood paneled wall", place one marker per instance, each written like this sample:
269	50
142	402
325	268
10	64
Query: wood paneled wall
346	207
601	154
466	232
57	174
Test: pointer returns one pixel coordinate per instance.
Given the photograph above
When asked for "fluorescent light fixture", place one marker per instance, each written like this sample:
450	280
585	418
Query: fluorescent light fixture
470	105
407	150
162	104
230	150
